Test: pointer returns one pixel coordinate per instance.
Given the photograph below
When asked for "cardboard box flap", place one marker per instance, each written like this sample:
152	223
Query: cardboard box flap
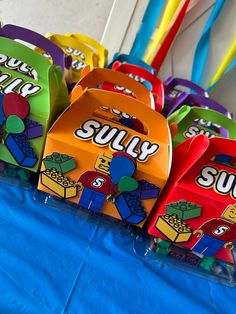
59	99
76	49
93	99
139	73
185	119
213	172
99	76
196	101
131	59
29	36
98	48
187	115
80	115
30	88
13	49
193	149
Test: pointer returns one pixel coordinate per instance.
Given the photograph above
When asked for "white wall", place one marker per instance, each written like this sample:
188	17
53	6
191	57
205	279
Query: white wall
90	17
180	57
222	36
58	16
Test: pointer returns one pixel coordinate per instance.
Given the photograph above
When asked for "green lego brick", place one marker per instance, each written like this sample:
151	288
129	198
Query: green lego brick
23	174
61	162
184	210
207	262
163	247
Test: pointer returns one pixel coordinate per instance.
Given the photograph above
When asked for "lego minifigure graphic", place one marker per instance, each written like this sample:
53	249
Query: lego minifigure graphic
217	233
97	185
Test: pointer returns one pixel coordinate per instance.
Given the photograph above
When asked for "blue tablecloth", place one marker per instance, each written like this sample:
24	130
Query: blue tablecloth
54	262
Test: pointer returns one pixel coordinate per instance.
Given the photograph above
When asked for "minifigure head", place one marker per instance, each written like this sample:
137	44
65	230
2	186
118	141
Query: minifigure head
230	213
102	163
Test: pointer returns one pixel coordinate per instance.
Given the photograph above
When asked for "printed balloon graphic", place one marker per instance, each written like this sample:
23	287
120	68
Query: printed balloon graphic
122	164
14	124
127	184
15	104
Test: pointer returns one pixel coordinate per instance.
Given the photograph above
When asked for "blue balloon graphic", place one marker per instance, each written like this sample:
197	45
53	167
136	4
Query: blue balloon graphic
121	166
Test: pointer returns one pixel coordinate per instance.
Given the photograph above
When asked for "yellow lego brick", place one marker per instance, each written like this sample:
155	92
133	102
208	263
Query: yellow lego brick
166	229
58	183
173	228
183	237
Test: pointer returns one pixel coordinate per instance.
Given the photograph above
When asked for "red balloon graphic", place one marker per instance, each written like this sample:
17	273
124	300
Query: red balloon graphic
15	104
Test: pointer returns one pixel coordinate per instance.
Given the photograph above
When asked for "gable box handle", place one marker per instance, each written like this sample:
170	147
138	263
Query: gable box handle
192	113
198	100
155	122
96	76
17	32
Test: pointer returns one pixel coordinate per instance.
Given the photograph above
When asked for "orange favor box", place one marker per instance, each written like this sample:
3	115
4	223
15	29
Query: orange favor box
116	82
102	165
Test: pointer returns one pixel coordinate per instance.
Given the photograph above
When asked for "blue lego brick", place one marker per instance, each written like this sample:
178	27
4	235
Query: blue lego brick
21	150
2	115
146	190
32	129
130	208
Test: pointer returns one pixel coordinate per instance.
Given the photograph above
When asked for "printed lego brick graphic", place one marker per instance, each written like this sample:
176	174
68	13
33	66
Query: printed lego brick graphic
130	208
184	210
21	150
146	190
58	183
61	162
174	228
32	129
